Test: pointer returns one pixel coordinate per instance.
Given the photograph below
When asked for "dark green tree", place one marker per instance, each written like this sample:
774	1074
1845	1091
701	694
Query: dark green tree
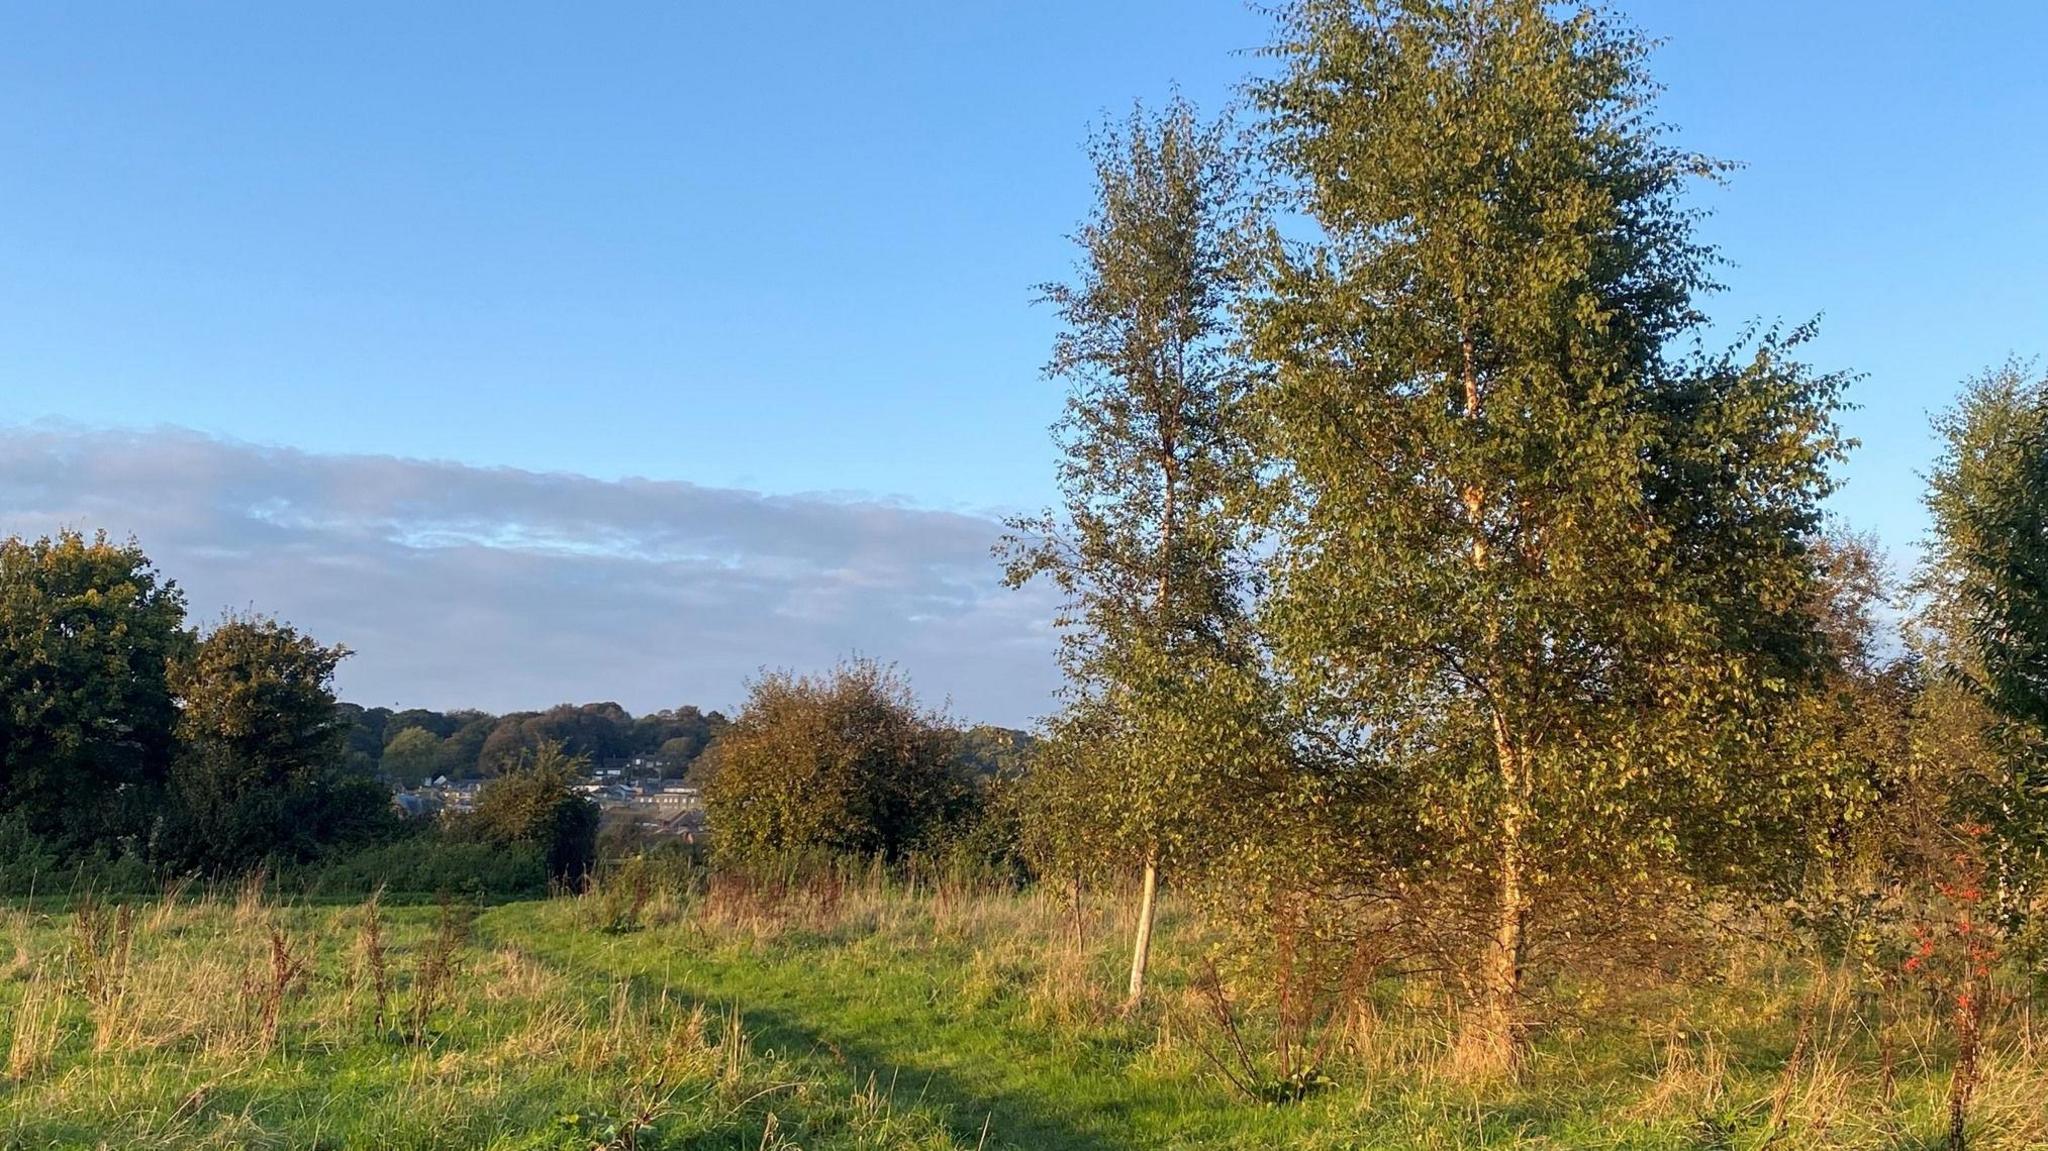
412	756
432	722
678	736
511	738
1984	591
88	631
598	731
462	752
365	739
1541	572
261	767
991	752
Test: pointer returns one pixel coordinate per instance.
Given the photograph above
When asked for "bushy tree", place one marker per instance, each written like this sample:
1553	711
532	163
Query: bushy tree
992	752
844	764
535	803
1857	731
678	736
1533	567
364	740
261	767
509	741
88	631
434	723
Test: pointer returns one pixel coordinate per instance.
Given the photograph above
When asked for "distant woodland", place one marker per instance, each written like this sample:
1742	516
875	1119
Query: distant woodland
412	746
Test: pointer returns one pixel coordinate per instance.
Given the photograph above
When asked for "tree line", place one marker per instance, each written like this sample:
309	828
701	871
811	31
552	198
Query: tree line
123	731
417	744
130	738
134	748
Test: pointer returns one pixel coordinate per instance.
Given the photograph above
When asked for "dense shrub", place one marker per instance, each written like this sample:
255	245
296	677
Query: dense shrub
261	771
845	764
31	864
985	845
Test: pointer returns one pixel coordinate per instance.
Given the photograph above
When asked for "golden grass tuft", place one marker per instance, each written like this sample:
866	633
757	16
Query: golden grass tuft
38	1018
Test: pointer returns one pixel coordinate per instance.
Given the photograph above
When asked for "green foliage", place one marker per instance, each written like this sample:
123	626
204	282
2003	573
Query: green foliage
1541	577
536	805
1148	545
462	750
419	866
32	866
1188	767
260	772
990	752
984	845
1861	734
845	764
87	632
412	756
679	736
1985	586
472	743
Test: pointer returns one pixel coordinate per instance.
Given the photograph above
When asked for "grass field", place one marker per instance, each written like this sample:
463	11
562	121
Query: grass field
868	1018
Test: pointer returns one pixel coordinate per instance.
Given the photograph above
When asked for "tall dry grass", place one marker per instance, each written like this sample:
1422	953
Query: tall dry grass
171	1010
153	1022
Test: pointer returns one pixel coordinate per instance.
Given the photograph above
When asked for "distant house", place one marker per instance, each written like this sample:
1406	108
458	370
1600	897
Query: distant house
415	804
439	794
674	797
663	807
635	767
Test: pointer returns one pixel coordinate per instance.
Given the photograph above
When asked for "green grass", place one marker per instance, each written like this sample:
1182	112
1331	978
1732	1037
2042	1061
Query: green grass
872	1019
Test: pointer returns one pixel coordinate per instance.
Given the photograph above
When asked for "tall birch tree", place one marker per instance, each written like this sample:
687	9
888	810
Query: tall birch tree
1544	572
1143	547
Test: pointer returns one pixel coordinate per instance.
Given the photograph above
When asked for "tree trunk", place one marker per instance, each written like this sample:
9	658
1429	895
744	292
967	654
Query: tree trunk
1495	1046
1962	1084
1141	949
1502	974
1080	927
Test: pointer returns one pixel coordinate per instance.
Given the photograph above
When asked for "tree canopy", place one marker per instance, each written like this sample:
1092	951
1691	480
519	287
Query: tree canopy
535	804
1145	546
88	634
1532	563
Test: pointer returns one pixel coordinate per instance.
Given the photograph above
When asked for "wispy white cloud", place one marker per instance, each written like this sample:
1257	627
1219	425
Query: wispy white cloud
501	588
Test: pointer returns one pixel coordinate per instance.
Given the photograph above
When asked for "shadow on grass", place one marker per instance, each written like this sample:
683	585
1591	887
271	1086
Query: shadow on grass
1010	1117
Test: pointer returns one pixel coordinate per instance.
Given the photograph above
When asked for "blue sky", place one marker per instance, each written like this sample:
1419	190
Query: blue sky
790	248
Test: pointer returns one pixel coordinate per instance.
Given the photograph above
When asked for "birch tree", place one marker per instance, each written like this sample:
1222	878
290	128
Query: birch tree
1143	547
1545	572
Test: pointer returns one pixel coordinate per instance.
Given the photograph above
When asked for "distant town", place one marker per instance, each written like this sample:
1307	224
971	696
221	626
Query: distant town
628	792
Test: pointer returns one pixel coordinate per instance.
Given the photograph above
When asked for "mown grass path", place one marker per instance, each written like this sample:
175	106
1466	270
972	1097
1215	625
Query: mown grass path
949	1021
932	1023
